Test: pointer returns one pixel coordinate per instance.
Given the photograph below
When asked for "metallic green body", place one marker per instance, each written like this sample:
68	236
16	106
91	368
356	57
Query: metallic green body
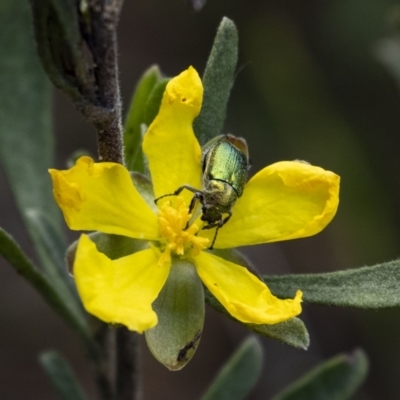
225	168
225	162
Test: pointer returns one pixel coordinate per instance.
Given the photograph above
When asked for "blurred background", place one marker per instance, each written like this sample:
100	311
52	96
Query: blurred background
310	85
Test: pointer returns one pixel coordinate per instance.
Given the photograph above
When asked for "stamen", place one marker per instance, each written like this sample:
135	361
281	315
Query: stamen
172	222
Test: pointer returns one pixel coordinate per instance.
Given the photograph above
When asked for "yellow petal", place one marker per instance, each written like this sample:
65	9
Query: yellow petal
286	200
170	145
101	196
245	297
119	291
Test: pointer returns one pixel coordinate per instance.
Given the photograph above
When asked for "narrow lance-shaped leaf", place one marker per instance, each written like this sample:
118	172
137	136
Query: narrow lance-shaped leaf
217	81
154	101
54	250
366	287
60	46
68	14
136	117
73	316
61	376
292	332
55	269
239	375
336	379
26	140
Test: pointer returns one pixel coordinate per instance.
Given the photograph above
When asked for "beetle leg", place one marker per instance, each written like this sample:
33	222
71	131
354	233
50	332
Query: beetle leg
217	225
210	226
226	219
215	238
187	187
177	192
197	196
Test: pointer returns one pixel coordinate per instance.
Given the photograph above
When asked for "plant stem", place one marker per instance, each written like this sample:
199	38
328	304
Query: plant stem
127	370
102	40
117	373
102	366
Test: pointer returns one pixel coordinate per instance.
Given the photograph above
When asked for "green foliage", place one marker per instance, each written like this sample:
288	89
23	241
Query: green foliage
292	332
26	148
53	251
180	310
68	310
154	101
135	119
217	81
61	376
367	287
144	186
336	379
60	45
239	374
26	141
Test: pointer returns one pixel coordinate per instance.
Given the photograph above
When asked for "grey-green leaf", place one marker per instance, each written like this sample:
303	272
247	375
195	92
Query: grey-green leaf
53	254
180	310
12	253
336	379
154	101
292	332
144	186
61	46
366	287
217	81
52	244
136	117
239	375
61	376
26	140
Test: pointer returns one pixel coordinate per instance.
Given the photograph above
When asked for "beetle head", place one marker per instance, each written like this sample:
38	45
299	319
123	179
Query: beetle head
218	198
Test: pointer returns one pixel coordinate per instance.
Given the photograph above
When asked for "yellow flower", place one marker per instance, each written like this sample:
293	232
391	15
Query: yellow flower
286	200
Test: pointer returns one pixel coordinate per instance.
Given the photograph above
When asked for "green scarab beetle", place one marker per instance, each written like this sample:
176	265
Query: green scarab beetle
225	165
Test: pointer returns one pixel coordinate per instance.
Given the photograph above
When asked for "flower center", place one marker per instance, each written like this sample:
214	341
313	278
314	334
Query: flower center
172	221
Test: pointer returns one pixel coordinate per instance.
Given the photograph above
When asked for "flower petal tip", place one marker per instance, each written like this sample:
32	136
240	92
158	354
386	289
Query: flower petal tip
185	90
299	296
